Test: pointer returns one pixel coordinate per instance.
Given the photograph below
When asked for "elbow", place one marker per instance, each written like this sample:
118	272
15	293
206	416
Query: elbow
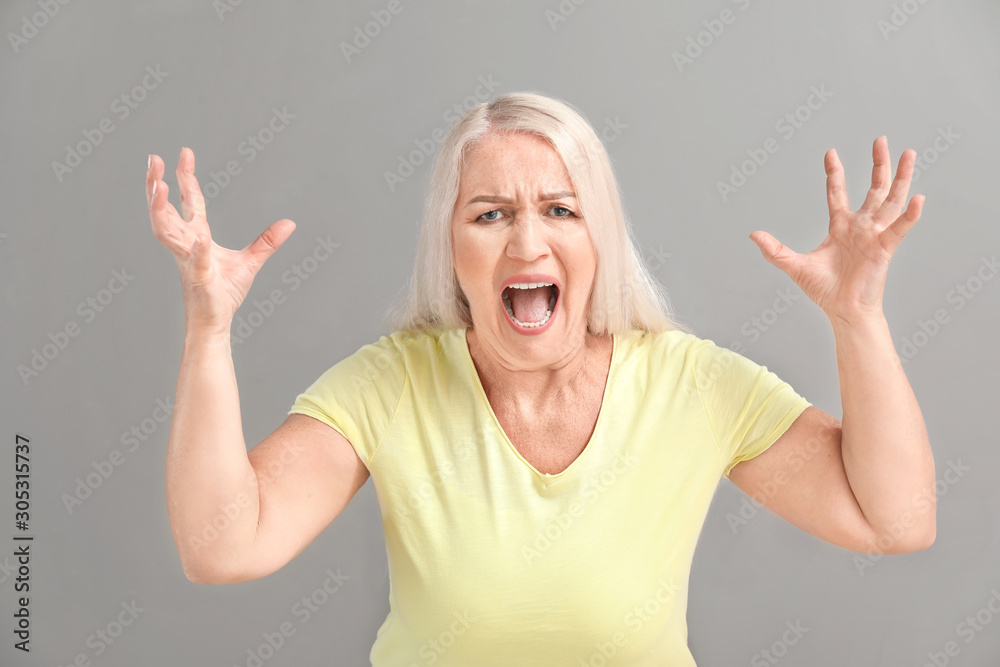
200	573
898	541
925	539
929	536
913	541
197	575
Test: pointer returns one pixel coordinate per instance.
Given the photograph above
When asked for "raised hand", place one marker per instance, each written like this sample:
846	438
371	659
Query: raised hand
215	280
845	274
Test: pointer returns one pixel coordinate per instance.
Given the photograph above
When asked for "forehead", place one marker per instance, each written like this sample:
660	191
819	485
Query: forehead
518	161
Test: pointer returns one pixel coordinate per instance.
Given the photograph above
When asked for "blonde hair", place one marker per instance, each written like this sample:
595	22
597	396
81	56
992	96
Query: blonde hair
626	296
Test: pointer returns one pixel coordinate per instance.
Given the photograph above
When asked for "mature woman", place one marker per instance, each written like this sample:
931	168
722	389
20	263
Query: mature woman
544	440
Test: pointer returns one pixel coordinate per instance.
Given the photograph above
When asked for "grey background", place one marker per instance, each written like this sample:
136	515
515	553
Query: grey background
683	131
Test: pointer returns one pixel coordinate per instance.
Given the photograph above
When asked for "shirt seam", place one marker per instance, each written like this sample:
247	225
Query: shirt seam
708	418
778	430
399	399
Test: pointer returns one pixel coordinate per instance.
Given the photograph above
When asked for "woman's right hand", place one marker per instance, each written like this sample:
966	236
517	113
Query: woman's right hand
215	280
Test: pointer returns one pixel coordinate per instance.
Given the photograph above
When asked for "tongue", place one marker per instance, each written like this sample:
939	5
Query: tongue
530	305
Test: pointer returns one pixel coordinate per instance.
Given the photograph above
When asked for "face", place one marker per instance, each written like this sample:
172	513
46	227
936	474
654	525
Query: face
517	220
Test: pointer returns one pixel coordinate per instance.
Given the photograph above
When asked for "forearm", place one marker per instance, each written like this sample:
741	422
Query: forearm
212	495
886	451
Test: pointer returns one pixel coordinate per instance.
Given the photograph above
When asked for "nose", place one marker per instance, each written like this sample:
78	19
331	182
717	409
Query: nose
527	241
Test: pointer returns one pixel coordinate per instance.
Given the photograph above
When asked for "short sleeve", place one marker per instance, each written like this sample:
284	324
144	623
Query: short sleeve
358	395
748	406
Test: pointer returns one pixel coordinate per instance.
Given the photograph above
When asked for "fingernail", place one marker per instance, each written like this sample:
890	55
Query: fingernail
155	183
149	161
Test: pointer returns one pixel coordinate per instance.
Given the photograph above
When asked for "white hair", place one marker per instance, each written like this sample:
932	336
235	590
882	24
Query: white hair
626	296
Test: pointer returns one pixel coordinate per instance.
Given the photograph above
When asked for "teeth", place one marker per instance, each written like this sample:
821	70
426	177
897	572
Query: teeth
527	285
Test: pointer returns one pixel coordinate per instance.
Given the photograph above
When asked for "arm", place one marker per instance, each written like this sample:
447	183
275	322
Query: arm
886	452
238	516
207	468
867	482
235	516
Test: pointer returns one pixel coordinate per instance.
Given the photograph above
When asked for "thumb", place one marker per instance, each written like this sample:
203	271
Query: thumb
270	240
774	251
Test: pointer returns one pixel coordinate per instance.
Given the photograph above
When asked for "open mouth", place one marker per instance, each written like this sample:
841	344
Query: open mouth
530	305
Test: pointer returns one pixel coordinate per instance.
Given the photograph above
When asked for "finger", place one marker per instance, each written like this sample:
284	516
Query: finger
192	201
836	192
881	176
155	163
893	235
775	252
269	241
168	228
893	204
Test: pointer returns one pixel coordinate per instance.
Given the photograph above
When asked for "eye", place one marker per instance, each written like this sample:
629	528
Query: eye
568	213
486	217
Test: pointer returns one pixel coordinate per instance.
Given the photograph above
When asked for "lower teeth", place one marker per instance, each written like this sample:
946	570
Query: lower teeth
529	325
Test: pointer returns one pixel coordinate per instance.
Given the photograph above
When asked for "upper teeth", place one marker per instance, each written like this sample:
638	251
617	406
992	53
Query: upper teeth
528	285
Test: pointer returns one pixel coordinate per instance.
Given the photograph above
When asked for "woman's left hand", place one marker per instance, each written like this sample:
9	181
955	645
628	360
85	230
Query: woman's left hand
845	275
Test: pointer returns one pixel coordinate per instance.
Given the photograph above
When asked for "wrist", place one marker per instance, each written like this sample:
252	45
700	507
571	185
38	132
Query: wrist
858	322
201	335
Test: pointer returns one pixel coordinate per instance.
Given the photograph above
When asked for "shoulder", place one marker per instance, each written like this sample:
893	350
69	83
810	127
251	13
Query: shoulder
407	342
674	344
410	351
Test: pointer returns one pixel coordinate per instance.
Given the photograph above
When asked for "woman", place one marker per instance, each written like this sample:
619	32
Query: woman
544	440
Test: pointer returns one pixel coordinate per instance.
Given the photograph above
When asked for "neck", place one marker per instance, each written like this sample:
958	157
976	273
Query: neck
575	367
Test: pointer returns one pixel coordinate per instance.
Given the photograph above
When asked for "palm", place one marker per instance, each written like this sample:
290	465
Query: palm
845	274
215	278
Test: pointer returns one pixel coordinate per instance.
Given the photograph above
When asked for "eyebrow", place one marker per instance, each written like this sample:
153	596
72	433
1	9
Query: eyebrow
495	199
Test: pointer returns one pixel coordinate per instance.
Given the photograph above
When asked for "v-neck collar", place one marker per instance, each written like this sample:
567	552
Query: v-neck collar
547	478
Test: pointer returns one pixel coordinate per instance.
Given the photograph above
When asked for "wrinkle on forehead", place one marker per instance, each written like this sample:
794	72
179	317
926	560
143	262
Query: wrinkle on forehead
523	165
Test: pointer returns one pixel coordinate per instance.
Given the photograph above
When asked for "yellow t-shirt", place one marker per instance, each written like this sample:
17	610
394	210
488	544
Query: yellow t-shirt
494	563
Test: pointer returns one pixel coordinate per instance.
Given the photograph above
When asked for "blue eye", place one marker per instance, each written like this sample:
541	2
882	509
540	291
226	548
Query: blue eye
487	219
568	212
